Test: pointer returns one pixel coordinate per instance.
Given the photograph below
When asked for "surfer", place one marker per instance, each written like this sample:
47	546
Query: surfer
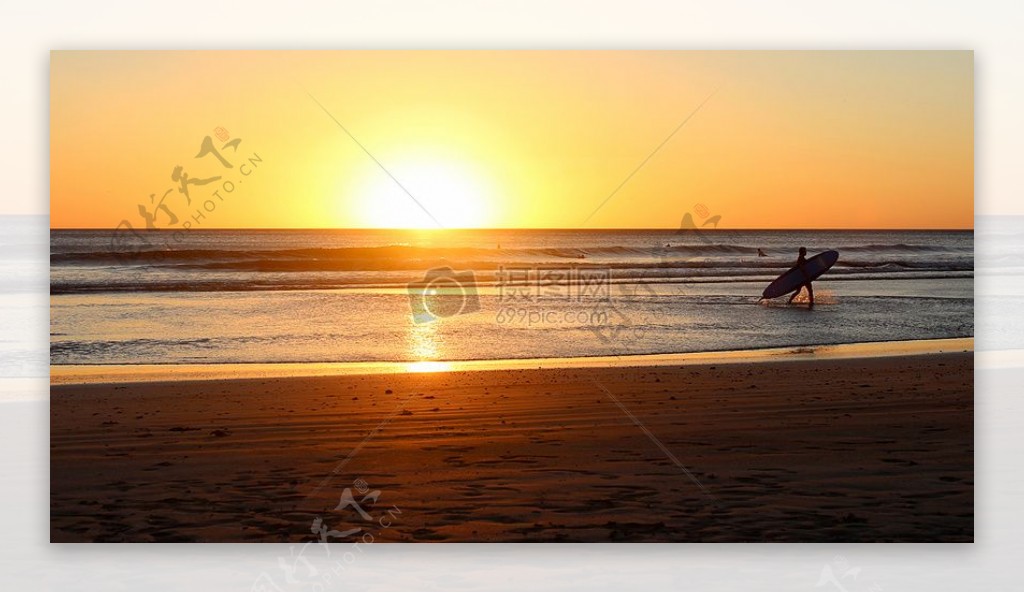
800	261
761	253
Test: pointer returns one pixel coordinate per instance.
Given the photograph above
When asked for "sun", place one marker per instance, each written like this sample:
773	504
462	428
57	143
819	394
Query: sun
436	194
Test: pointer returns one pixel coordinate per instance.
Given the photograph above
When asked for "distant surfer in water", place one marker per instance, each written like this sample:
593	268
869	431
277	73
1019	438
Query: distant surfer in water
761	253
801	260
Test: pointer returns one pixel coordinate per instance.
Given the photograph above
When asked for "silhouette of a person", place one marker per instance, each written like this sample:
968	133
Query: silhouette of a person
801	262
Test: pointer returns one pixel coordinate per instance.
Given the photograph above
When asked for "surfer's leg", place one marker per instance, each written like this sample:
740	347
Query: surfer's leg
810	295
795	293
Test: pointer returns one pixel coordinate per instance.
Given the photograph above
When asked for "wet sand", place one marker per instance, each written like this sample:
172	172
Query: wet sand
855	449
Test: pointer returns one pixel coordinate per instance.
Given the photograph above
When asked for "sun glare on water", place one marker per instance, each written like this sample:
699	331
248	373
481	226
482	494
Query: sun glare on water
440	195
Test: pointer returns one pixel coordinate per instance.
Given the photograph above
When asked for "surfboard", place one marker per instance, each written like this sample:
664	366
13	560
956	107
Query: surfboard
794	277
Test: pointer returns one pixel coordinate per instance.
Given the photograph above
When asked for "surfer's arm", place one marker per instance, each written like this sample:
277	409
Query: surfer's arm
803	269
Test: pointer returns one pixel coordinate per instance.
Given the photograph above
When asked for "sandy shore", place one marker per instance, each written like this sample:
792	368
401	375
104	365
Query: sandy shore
857	449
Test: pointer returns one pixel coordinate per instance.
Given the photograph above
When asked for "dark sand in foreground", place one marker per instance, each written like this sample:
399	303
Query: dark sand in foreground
873	449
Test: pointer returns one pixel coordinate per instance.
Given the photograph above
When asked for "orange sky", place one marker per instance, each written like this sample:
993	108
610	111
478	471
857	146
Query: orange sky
513	139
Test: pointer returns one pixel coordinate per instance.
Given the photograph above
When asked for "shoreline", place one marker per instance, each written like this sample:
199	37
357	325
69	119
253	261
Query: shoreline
149	373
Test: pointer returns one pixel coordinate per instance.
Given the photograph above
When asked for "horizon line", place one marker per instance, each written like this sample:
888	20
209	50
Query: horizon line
595	229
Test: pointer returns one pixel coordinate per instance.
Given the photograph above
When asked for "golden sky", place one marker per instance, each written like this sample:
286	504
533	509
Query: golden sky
512	139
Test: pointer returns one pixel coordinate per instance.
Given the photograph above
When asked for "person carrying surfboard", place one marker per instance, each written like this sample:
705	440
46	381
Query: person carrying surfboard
801	262
802	274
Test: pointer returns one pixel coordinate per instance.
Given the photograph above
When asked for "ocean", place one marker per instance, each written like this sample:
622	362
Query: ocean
243	296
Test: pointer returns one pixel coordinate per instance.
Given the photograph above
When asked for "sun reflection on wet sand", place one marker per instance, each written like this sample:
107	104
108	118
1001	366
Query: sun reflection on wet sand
91	374
428	366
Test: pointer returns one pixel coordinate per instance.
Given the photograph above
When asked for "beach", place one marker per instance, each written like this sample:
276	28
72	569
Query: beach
859	449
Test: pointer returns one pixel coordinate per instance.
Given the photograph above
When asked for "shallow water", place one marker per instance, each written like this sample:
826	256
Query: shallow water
337	296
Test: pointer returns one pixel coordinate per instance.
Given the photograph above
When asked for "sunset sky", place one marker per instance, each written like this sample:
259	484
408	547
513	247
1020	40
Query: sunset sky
514	139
